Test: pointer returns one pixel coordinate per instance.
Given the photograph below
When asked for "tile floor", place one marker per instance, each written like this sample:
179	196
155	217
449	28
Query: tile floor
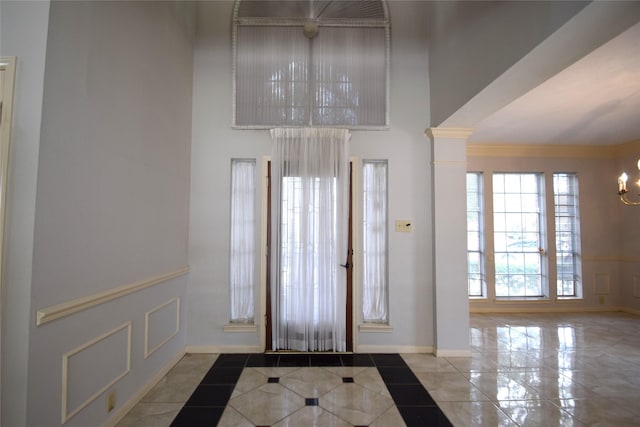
525	369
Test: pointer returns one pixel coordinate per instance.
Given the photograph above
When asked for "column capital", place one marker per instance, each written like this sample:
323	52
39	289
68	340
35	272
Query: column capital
452	133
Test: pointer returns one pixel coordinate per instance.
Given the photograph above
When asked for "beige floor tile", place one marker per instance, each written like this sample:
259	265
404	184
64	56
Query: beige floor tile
232	418
345	371
604	412
390	418
450	387
175	388
311	382
552	384
538	413
151	415
474	414
268	404
312	416
370	379
501	386
428	363
355	404
250	379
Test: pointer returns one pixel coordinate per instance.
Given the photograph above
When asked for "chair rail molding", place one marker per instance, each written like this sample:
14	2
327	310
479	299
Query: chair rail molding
53	312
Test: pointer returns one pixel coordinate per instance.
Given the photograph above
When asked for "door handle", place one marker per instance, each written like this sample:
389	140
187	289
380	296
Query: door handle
347	265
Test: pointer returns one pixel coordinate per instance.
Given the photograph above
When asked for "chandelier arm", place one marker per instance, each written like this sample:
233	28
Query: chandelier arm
626	201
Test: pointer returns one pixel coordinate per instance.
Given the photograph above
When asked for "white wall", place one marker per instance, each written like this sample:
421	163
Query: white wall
629	234
23	33
112	204
472	43
215	143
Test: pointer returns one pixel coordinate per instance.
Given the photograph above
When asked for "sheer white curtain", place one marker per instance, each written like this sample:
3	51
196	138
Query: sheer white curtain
310	185
243	240
374	253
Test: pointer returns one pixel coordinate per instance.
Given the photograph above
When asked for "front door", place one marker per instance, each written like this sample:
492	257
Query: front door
300	300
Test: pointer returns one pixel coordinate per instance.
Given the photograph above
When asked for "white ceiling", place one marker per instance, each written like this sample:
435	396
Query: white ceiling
595	101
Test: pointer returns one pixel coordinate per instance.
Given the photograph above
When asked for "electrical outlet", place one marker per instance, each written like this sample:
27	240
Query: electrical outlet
111	401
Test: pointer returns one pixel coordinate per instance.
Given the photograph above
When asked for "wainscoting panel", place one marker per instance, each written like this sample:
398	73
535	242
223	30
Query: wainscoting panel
93	367
602	283
160	325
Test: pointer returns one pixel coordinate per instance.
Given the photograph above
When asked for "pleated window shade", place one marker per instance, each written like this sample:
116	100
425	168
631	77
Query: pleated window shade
338	77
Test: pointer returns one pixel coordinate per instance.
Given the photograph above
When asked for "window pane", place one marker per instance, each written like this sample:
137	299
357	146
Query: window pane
243	235
338	78
271	84
565	189
517	235
475	235
374	254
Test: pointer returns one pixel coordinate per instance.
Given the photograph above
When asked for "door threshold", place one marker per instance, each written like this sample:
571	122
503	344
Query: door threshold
306	352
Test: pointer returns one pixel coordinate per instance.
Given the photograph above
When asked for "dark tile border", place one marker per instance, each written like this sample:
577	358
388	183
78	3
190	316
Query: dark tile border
208	401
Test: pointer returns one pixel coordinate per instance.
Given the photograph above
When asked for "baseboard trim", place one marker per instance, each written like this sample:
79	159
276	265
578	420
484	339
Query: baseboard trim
213	349
631	311
394	349
452	353
546	309
137	397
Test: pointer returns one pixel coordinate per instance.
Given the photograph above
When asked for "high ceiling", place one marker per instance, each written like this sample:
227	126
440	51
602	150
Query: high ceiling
595	101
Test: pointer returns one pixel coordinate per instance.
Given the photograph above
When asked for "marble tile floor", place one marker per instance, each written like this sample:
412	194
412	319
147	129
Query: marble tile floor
525	369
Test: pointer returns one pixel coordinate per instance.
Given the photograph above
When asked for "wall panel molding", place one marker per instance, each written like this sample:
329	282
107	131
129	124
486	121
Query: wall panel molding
68	370
601	283
149	346
53	312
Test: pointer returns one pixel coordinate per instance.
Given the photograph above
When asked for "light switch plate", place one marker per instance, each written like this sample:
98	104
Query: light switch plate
404	226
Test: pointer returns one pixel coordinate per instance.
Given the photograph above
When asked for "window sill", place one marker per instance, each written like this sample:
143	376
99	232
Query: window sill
520	300
569	299
240	327
375	327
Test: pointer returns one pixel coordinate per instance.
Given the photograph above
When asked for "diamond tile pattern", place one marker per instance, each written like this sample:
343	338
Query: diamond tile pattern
524	369
301	389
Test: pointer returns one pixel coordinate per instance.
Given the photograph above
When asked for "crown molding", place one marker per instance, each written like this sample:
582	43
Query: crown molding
455	133
554	150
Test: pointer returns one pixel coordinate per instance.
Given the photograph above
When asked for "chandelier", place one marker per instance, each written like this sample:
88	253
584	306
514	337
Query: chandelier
622	188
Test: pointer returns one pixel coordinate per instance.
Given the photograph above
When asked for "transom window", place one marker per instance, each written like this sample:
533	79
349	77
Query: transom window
310	63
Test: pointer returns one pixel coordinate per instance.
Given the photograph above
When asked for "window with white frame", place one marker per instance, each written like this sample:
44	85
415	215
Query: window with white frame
374	242
475	241
518	224
520	236
311	63
242	240
567	222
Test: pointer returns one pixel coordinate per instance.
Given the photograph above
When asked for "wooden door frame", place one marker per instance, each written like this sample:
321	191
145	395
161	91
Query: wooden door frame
352	273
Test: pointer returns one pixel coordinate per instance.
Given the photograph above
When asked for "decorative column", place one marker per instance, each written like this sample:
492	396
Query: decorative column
449	201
